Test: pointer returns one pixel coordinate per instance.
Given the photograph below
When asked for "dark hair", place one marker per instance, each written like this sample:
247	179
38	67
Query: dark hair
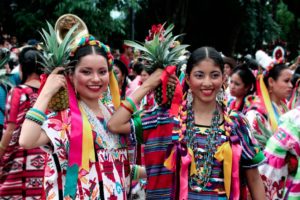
30	60
274	72
246	76
296	76
124	71
137	67
87	50
248	79
148	69
203	53
230	61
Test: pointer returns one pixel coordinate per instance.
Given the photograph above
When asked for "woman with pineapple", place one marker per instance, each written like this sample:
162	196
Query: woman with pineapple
21	170
85	161
200	153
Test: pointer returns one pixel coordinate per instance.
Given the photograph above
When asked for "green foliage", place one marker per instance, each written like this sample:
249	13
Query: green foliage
285	19
56	54
31	15
159	52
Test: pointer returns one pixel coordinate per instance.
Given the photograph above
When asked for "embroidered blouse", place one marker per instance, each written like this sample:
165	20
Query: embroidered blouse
108	177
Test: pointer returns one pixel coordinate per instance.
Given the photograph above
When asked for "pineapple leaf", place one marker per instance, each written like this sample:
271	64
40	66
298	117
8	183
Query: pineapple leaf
169	29
137	45
158	52
56	54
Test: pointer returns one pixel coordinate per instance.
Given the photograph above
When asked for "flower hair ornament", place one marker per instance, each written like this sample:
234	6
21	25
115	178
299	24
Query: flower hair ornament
278	54
267	63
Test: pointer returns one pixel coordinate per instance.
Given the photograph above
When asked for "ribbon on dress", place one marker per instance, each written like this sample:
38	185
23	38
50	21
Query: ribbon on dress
263	93
75	151
224	153
178	160
177	97
235	176
114	89
88	152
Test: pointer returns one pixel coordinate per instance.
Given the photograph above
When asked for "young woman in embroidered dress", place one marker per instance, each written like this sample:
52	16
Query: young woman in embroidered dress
284	142
205	146
86	161
21	170
263	114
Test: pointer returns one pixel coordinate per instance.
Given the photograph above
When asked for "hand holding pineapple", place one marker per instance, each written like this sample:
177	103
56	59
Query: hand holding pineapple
54	82
161	50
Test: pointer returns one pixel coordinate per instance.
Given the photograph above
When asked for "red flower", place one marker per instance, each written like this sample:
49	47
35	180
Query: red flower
156	30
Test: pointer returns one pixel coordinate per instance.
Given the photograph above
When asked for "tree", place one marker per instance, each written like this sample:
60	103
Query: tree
31	16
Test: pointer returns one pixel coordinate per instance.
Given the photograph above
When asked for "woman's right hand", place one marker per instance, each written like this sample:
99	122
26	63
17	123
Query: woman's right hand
54	82
154	79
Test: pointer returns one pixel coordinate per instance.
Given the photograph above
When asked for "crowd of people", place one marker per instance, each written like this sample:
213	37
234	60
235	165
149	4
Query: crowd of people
235	133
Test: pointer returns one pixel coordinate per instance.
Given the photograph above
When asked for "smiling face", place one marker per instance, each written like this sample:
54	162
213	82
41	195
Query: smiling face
91	77
205	81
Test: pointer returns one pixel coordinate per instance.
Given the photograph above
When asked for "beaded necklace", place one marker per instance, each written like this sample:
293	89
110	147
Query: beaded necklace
204	173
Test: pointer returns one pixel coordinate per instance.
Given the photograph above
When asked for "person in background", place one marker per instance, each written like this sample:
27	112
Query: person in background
283	145
263	113
229	65
116	53
126	55
21	170
122	76
14	79
242	83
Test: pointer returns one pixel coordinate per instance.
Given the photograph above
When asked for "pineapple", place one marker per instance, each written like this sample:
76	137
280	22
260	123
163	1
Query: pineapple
160	50
56	54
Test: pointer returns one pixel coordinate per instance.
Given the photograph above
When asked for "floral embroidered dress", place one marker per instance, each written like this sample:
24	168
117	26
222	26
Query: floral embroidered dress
285	140
259	120
162	133
21	170
108	177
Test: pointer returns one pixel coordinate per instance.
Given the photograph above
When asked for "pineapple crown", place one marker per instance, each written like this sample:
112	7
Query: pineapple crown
161	48
56	54
90	40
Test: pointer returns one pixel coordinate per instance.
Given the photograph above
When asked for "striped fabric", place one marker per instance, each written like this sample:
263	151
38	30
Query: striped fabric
156	142
285	140
21	171
159	131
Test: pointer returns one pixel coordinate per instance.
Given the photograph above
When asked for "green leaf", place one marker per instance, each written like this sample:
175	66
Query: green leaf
56	54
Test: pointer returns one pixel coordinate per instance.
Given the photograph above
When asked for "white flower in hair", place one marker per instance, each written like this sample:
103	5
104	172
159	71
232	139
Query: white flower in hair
264	59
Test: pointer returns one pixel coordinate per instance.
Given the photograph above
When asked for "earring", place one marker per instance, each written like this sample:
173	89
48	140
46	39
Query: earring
189	97
221	95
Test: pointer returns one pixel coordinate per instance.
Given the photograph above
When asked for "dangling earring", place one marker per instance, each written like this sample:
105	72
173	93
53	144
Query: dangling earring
221	95
189	97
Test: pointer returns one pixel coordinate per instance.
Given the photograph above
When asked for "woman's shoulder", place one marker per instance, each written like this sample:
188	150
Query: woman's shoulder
291	117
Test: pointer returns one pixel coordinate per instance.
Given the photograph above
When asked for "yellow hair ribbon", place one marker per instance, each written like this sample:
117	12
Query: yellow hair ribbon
88	151
224	153
264	95
114	90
